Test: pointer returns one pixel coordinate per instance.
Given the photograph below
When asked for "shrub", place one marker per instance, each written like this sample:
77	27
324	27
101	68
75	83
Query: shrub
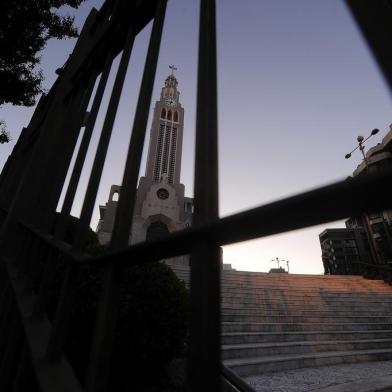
151	330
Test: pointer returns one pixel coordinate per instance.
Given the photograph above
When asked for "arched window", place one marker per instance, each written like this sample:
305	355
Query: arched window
163	113
157	230
115	196
176	116
169	115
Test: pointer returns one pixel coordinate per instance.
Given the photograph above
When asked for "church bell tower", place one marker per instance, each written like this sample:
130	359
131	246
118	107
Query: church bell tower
161	206
165	149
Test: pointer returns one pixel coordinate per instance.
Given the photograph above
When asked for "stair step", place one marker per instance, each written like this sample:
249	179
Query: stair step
305	319
259	311
293	336
284	306
298	290
301	347
262	283
282	321
303	327
259	365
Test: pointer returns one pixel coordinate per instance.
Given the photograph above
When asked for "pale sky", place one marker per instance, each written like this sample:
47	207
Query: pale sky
296	86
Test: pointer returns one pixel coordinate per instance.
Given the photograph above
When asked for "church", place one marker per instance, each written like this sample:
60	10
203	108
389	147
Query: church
161	206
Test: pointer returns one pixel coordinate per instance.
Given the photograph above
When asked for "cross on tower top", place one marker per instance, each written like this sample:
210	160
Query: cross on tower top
173	68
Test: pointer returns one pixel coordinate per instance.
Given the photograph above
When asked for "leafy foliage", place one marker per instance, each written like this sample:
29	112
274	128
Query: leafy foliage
4	135
25	27
151	331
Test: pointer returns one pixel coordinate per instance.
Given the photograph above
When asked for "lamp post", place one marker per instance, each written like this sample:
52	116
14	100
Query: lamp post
361	140
361	147
277	261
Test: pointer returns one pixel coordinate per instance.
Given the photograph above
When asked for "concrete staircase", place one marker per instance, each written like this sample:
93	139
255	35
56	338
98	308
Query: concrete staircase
275	322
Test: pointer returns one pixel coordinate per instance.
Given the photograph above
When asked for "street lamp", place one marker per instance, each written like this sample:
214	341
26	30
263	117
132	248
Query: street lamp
287	264
368	230
277	261
361	140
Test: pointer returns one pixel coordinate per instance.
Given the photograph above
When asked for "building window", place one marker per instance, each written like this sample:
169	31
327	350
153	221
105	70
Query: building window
166	147
175	116
169	115
172	159
158	158
163	113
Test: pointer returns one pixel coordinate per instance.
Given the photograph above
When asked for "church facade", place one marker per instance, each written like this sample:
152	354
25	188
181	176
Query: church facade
161	206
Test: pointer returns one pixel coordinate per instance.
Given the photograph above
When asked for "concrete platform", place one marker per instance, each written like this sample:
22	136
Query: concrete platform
359	377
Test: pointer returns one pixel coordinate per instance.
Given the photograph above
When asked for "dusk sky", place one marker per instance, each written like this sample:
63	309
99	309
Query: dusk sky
296	85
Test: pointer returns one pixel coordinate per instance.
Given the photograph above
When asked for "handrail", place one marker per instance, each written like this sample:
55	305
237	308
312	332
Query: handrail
298	211
236	381
338	201
65	248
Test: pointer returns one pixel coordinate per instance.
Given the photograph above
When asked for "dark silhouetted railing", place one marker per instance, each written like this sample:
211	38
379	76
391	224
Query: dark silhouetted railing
31	344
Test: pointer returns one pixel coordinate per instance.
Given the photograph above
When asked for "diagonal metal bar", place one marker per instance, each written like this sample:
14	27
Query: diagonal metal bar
61	322
61	226
338	201
103	341
124	213
234	382
84	145
71	128
204	346
103	145
50	377
374	20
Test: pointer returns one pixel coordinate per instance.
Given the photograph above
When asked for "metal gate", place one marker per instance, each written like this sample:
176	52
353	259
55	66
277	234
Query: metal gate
31	348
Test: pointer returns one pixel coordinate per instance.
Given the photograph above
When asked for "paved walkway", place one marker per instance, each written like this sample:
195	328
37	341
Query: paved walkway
316	379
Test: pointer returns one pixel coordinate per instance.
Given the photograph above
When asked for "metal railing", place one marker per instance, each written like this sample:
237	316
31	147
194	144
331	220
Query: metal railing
31	346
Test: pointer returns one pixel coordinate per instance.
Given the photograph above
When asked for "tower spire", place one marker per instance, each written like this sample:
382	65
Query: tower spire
173	68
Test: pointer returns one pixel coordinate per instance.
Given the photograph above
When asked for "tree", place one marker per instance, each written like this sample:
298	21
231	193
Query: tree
4	135
25	27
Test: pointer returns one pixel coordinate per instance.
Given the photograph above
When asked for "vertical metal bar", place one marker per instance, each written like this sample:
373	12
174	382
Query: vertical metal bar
57	337
47	279
31	256
23	374
204	350
22	234
99	161
84	145
3	289
24	254
5	316
36	267
71	190
124	212
72	127
103	341
12	350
